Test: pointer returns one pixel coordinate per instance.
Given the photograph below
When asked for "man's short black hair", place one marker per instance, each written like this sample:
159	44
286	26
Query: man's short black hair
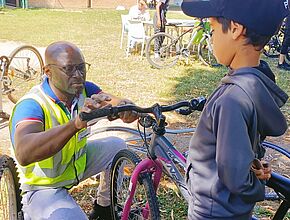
253	38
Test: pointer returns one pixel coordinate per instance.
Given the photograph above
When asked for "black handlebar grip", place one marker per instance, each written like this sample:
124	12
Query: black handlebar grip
184	111
198	104
98	113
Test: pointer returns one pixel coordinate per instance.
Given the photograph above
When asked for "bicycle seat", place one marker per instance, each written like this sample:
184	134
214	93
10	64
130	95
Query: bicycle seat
280	184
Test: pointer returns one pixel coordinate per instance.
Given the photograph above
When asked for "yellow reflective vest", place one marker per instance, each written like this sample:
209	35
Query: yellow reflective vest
66	167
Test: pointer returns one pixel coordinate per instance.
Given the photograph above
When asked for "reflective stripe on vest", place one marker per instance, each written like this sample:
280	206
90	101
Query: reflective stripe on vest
58	170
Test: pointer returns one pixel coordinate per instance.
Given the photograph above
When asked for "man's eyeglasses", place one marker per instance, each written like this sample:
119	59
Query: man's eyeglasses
69	70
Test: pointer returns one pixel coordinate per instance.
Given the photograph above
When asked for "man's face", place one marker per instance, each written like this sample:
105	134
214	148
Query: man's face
68	72
142	6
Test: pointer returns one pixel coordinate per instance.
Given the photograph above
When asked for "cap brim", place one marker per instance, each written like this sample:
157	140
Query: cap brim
199	8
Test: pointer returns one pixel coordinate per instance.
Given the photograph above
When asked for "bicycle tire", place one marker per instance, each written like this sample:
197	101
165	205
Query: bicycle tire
10	197
144	185
168	52
24	71
205	54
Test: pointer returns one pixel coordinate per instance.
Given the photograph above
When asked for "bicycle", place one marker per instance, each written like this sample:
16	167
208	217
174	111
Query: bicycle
132	179
167	155
10	193
21	70
3	67
173	48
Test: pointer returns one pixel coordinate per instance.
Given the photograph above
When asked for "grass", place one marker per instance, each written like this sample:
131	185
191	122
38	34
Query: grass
97	33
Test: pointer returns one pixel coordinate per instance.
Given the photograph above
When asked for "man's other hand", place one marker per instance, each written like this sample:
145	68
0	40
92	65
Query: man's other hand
128	116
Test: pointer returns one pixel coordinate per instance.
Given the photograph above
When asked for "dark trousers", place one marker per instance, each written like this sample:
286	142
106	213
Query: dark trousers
158	41
286	39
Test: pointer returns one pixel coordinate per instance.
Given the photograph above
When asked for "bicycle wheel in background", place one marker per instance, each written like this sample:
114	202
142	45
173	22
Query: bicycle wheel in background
10	198
205	52
123	165
168	53
24	71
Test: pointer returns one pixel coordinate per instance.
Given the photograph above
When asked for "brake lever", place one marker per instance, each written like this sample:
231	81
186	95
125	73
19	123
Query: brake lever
146	121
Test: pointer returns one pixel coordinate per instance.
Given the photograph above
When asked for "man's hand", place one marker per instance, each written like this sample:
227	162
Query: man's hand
128	116
96	101
262	169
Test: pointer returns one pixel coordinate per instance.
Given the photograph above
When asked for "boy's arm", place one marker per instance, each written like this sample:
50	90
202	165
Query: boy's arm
234	153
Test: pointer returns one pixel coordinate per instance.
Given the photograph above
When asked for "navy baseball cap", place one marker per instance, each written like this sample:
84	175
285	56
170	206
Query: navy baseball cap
262	16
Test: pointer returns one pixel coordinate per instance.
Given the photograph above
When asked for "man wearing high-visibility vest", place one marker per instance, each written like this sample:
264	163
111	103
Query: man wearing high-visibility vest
49	139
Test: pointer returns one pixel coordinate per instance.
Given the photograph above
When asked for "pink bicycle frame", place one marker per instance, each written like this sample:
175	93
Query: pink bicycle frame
145	165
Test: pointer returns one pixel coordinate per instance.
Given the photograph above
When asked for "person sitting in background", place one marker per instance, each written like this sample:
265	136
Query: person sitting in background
139	11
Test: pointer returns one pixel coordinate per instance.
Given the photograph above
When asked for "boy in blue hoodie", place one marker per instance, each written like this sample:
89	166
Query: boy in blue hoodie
241	112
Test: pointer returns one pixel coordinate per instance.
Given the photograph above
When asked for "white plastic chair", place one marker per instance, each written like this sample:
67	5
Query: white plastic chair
124	19
136	34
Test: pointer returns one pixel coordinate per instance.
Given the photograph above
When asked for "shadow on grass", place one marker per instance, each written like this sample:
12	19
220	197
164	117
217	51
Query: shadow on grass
197	81
194	81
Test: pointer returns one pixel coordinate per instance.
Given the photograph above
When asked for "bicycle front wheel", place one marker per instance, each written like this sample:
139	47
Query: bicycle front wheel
123	165
166	55
205	53
10	198
24	71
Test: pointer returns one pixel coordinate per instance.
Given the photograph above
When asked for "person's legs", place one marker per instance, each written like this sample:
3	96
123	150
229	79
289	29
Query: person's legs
51	204
100	154
284	50
281	58
158	41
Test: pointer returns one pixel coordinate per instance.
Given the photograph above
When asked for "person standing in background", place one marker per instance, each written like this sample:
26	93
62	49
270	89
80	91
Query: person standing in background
159	22
282	64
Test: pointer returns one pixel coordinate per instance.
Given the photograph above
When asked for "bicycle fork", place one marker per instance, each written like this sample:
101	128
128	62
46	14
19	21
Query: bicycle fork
149	166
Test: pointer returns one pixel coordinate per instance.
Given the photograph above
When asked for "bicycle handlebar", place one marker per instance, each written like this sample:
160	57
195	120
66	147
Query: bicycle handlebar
192	105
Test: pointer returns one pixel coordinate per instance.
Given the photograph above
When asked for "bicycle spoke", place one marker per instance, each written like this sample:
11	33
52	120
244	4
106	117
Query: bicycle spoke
166	54
122	168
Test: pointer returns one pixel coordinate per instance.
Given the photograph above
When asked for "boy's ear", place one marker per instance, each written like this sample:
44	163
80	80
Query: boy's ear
237	30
